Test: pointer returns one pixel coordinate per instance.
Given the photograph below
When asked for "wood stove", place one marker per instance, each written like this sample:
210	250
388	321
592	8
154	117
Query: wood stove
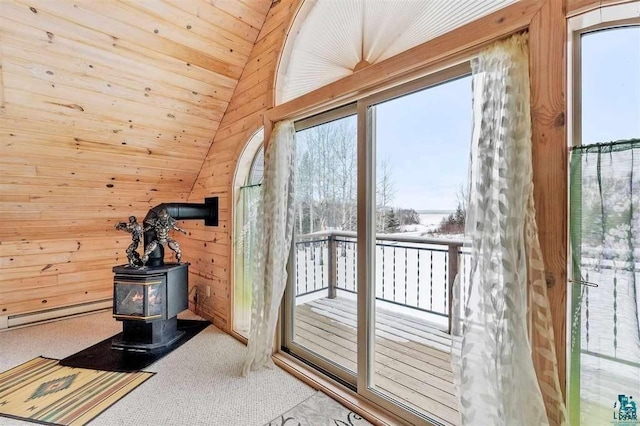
147	301
148	294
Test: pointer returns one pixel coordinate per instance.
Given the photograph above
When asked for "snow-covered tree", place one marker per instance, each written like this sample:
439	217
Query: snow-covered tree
326	179
408	216
385	193
392	224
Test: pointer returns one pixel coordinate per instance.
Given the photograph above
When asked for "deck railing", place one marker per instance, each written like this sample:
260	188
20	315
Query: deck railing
604	325
413	272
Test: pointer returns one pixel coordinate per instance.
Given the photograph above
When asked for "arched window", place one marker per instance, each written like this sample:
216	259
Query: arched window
248	183
257	168
334	39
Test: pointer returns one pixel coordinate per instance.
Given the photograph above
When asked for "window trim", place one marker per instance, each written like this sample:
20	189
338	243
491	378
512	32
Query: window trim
423	83
325	117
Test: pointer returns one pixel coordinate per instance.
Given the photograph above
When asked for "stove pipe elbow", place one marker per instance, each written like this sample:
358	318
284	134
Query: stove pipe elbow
208	211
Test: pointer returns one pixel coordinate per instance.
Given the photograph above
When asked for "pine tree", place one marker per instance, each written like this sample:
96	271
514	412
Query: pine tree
392	224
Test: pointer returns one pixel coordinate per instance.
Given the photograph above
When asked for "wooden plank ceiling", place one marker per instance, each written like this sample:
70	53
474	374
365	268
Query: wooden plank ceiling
107	108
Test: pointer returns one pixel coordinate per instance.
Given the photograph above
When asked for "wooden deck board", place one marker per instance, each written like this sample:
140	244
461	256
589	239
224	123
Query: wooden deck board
385	328
429	363
395	324
412	359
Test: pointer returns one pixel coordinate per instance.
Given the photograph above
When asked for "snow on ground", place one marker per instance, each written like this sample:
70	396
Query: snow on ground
416	230
429	223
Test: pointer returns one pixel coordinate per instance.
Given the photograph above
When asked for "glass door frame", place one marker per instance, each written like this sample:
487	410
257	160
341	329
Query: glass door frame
367	234
602	18
366	245
288	303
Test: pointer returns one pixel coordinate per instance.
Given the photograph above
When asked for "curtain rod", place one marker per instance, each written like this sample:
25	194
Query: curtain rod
613	145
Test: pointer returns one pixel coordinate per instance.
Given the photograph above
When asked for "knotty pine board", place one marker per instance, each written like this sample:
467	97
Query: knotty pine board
102	117
242	119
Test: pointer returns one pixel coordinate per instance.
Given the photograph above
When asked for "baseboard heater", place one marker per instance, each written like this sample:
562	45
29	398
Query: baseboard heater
31	318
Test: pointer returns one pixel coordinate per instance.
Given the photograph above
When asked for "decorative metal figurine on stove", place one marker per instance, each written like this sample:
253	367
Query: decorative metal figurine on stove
162	224
135	229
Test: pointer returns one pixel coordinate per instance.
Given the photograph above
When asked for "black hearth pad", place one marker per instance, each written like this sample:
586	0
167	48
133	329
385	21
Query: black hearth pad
101	357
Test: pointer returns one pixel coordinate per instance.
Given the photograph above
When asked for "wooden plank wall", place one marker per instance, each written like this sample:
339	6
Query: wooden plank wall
106	109
210	253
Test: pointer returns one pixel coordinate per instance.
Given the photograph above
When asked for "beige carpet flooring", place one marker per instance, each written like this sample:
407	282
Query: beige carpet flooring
197	384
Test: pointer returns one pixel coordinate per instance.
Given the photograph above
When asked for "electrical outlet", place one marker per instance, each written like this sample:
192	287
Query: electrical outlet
208	291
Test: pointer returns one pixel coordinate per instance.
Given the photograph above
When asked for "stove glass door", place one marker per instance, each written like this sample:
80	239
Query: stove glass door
129	299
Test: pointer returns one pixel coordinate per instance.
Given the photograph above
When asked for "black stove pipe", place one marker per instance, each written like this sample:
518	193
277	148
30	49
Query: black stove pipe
179	211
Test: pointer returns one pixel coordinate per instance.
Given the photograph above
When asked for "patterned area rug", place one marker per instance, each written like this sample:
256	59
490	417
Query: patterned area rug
43	391
319	410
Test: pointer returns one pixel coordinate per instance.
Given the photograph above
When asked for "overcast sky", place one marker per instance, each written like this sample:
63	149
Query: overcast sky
426	136
611	85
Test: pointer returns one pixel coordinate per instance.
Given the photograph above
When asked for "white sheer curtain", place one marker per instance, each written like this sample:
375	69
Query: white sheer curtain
275	230
492	359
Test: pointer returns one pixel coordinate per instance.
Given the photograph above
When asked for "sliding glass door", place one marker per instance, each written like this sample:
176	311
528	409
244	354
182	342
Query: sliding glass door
420	142
322	310
380	191
604	385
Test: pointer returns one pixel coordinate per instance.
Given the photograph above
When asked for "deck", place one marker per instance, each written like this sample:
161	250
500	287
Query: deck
412	357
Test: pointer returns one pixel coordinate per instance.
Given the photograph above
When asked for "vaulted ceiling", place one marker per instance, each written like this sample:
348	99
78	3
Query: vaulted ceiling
111	106
107	108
